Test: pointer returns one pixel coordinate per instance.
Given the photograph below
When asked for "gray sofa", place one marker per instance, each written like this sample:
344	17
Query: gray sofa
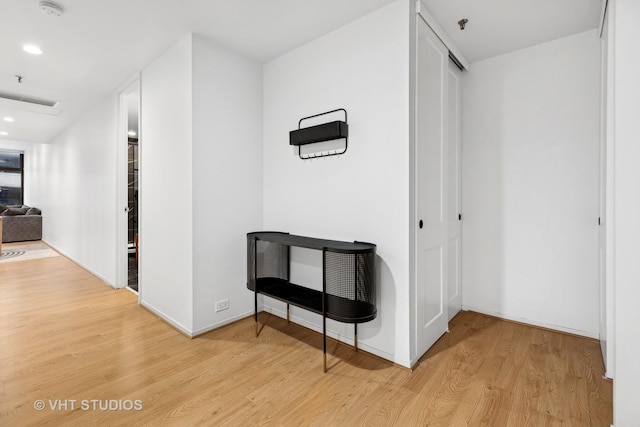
20	223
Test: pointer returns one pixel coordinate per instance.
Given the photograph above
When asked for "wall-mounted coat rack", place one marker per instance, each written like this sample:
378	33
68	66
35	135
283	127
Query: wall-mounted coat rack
320	133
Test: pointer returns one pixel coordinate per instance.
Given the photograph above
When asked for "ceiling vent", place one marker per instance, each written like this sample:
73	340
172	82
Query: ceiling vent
29	103
28	99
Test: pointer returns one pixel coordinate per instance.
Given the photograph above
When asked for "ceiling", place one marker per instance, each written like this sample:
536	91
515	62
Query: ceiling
500	26
96	45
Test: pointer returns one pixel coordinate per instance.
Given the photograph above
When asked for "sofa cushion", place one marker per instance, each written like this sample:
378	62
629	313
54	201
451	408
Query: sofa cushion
14	211
33	211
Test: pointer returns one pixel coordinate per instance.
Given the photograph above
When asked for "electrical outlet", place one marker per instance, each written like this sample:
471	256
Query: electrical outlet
222	305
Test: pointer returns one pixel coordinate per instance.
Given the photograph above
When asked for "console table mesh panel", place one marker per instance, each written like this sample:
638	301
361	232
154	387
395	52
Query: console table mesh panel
273	260
349	277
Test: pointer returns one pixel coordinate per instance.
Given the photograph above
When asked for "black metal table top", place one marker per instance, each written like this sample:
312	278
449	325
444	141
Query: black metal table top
311	242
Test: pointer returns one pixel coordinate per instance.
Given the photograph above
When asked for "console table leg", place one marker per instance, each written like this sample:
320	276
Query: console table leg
324	343
255	307
355	336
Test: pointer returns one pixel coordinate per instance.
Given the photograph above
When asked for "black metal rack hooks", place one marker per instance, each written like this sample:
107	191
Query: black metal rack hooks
320	133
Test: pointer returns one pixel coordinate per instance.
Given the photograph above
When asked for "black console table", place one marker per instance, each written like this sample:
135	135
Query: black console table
348	282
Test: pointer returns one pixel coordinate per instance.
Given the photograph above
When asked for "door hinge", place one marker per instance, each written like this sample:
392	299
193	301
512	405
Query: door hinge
459	217
598	220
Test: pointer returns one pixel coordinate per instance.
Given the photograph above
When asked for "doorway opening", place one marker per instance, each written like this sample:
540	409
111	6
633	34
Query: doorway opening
133	155
128	188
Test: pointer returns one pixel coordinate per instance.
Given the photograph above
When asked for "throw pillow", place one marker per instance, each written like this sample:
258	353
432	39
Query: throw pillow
33	211
12	212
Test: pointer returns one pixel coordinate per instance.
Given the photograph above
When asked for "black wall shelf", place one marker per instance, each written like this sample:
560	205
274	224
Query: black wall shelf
348	283
320	133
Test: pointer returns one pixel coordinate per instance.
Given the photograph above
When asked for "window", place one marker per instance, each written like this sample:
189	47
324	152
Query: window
11	178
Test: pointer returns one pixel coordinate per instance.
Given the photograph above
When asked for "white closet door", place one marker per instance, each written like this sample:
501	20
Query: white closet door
454	233
431	187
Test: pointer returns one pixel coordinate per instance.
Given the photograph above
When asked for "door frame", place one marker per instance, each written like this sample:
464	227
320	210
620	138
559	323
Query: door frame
132	85
607	193
454	187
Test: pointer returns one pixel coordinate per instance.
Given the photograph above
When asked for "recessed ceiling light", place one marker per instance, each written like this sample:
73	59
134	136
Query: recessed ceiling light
32	49
4	133
131	133
9	119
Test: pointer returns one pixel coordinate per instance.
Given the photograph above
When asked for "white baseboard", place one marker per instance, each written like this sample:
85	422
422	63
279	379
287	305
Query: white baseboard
558	328
179	326
188	332
95	273
222	323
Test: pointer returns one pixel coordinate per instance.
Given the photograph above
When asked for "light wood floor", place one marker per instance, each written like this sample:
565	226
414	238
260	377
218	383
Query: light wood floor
66	335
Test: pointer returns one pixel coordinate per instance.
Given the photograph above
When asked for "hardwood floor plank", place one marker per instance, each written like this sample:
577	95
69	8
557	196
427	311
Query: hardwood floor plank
492	406
67	336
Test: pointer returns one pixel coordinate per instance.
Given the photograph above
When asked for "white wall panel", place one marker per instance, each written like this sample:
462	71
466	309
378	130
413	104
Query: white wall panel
227	179
530	184
626	411
73	181
363	194
166	193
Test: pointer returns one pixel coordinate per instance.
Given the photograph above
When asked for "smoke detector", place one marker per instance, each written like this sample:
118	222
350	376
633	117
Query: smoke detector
50	8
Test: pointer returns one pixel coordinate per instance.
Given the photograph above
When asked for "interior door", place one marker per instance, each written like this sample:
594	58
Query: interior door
431	187
454	197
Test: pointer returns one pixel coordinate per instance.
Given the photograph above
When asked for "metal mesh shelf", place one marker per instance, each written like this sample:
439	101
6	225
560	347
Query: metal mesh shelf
341	309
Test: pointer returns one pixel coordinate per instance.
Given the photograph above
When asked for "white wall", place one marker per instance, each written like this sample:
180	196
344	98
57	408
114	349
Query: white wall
73	181
363	194
627	211
200	182
227	179
165	177
530	184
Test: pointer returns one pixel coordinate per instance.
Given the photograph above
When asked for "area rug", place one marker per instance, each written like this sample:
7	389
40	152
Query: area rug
25	252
